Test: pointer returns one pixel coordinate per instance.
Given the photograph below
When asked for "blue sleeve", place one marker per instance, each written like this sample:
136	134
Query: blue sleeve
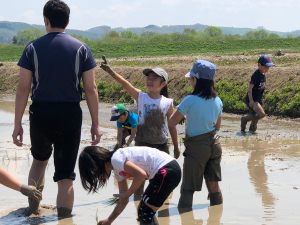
184	105
88	59
119	125
133	120
26	61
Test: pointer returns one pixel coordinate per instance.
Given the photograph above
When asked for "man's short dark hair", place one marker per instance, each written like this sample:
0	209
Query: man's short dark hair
57	12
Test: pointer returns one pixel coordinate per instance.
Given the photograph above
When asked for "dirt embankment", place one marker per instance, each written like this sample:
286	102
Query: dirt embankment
230	67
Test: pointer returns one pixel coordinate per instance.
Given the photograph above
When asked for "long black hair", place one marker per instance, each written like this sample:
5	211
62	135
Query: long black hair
92	167
205	88
164	90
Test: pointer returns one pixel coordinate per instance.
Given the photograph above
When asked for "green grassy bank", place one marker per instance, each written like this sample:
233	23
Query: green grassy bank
282	102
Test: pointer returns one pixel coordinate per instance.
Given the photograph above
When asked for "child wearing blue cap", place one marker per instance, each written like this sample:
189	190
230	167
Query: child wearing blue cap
202	156
127	123
254	97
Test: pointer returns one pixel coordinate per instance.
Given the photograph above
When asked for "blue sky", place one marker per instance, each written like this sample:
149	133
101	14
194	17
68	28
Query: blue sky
278	15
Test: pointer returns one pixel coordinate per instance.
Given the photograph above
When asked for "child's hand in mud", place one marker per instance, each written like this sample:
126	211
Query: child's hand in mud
31	192
104	65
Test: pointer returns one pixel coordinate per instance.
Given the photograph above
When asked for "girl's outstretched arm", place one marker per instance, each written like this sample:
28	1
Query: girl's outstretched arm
131	90
139	176
123	188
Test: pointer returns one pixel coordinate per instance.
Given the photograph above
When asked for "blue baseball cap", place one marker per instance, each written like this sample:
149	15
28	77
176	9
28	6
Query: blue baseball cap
202	69
265	60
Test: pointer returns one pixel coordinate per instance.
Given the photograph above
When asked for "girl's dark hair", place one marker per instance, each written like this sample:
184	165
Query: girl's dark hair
205	88
164	90
92	167
57	12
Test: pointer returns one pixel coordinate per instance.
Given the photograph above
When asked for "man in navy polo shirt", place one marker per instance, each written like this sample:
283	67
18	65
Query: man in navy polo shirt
52	66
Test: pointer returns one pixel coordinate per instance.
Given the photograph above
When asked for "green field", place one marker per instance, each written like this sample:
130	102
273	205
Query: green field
281	99
173	47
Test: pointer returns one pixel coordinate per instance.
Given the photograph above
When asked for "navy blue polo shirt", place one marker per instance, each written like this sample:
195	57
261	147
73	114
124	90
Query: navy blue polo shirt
57	61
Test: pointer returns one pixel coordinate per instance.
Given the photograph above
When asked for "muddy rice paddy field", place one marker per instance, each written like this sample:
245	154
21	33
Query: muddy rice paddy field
260	172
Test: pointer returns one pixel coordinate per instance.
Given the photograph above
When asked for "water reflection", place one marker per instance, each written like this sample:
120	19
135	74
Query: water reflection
215	214
259	178
187	217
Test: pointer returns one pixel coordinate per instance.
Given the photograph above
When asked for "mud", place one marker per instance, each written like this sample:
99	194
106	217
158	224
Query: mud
260	178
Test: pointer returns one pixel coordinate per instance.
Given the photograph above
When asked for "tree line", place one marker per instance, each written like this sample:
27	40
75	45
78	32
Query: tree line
210	32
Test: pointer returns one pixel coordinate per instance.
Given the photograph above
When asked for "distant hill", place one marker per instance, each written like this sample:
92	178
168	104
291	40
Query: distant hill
9	29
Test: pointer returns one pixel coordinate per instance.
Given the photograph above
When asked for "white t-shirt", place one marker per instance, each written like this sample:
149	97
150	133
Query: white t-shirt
153	125
149	159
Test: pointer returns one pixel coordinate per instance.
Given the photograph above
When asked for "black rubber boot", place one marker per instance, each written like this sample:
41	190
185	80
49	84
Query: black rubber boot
244	120
253	125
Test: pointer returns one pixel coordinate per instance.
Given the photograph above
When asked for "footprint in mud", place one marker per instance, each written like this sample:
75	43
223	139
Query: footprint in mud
46	213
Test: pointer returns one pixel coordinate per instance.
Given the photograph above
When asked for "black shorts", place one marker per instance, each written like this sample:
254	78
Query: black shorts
162	184
58	126
246	100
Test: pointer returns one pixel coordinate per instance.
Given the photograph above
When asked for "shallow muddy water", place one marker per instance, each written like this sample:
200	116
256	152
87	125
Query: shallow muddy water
260	172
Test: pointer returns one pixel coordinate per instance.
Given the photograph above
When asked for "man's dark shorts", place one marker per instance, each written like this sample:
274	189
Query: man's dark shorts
56	126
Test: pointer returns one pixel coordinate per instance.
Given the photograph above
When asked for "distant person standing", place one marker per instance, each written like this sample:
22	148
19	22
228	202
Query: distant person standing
52	67
254	97
127	123
202	156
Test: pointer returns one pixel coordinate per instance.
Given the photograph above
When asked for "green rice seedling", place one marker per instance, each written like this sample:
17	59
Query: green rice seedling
112	201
